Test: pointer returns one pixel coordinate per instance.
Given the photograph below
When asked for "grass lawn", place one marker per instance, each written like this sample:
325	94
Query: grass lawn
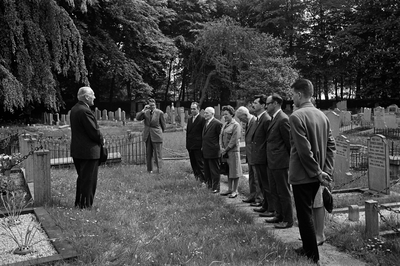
166	219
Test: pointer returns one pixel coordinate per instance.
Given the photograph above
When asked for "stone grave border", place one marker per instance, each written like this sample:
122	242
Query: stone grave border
63	248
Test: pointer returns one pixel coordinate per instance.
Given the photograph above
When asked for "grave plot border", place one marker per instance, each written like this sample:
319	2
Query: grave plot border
63	247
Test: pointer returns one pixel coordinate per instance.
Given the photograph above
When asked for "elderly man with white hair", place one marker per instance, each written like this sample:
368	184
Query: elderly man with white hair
86	140
243	114
211	150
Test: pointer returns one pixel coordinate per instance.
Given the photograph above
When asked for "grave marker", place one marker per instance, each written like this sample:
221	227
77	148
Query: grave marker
342	160
334	119
378	164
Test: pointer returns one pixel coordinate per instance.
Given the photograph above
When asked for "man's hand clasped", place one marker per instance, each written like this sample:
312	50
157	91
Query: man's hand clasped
325	179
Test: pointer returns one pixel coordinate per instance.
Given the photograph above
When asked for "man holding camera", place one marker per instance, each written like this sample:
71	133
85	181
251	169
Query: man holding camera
154	126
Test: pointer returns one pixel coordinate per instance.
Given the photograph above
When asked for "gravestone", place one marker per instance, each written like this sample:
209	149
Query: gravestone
168	112
217	111
97	113
50	119
104	115
67	118
367	116
123	116
378	164
379	118
182	116
345	118
110	116
390	120
173	114
62	120
118	114
394	109
334	120
342	160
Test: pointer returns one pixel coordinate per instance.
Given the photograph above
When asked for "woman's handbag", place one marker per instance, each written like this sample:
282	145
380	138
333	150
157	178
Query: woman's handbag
223	167
103	154
328	200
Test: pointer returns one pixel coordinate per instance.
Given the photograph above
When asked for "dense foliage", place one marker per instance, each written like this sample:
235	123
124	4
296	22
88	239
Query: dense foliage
195	49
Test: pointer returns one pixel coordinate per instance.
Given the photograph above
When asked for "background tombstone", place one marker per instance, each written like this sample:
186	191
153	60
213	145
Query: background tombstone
366	116
342	160
182	116
67	118
334	119
379	118
110	116
62	120
173	114
118	114
390	120
378	164
218	111
105	116
392	109
168	112
123	116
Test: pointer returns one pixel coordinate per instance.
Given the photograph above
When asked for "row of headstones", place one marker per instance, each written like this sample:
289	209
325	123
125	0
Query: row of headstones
64	119
378	163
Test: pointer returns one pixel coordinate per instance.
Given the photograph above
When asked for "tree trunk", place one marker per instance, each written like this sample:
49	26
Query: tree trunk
205	87
169	81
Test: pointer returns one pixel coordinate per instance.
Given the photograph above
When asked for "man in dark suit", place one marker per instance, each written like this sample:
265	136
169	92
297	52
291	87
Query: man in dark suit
194	132
311	161
278	154
243	114
211	150
86	140
259	154
154	126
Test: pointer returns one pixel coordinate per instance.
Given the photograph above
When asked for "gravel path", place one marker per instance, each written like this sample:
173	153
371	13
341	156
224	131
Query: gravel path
330	255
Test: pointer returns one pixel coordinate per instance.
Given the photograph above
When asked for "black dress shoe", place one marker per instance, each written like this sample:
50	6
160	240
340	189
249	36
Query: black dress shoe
267	214
283	225
256	204
225	193
260	210
248	200
233	195
273	220
300	251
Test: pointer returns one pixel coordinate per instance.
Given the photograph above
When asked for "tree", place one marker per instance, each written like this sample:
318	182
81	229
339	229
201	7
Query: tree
230	60
38	44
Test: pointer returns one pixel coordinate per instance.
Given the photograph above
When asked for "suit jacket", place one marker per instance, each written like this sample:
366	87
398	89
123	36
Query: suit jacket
154	125
86	137
194	133
278	142
210	142
259	140
312	145
249	132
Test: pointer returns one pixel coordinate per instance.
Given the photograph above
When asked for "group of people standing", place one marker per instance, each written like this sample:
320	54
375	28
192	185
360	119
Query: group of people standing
286	156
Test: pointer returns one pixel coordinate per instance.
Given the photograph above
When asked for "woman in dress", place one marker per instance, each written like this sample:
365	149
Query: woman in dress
230	150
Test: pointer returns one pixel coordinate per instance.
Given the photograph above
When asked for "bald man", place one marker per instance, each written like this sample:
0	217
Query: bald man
210	149
86	140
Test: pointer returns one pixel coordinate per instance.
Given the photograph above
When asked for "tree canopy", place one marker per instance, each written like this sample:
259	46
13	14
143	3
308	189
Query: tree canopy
195	49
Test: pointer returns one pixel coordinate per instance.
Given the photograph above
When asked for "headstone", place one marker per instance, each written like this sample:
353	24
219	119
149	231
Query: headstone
182	116
394	109
168	112
379	118
67	118
62	120
118	114
345	118
104	115
110	116
50	119
367	115
378	164
57	119
217	111
173	114
390	120
334	119
342	105
97	113
123	116
342	160
166	117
